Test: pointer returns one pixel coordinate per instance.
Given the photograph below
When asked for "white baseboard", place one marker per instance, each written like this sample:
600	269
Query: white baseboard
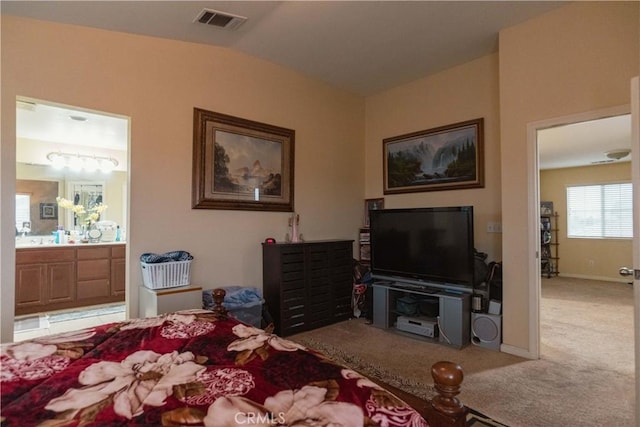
516	351
601	278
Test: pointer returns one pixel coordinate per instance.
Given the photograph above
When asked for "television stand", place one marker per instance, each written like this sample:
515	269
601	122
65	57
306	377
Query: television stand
454	310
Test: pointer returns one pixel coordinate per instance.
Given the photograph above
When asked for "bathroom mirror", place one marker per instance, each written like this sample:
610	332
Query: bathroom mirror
30	196
42	184
59	147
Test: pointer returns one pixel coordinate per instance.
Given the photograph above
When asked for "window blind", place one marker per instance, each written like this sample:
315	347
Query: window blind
23	211
600	211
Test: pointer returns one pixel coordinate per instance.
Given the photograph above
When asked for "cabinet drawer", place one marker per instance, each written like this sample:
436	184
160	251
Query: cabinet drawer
342	304
89	289
290	285
320	293
290	276
319	261
94	253
292	257
118	251
293	326
94	269
319	309
293	300
35	256
342	271
318	273
291	267
342	254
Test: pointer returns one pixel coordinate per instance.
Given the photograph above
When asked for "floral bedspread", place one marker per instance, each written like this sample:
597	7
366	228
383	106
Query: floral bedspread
181	369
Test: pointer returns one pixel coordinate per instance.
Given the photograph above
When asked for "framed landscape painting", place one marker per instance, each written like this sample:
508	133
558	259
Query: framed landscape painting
444	158
240	164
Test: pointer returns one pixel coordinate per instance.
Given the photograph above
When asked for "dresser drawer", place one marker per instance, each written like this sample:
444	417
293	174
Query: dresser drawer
299	283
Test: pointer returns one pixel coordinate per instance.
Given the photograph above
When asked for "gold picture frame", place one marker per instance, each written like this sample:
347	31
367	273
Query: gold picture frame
443	158
240	164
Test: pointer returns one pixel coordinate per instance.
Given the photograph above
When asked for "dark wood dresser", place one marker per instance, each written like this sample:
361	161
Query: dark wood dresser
307	285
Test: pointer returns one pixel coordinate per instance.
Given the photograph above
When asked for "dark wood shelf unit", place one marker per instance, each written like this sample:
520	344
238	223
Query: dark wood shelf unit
364	245
307	285
549	246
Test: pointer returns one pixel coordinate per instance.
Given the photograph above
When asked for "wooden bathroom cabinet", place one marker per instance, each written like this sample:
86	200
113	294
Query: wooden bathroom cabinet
56	278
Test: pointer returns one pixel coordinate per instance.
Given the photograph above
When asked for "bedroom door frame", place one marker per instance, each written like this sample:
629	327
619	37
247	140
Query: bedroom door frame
635	179
534	280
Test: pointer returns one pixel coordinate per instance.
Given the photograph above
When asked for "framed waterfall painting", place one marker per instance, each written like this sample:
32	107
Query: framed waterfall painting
444	158
240	164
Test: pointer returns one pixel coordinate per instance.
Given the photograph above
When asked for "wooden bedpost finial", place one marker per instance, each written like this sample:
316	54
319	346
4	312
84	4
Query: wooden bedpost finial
447	377
218	297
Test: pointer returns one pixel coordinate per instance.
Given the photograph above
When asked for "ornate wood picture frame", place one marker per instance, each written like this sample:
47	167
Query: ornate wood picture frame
240	164
444	158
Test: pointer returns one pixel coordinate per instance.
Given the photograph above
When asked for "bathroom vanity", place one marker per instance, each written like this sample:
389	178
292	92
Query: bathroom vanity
56	277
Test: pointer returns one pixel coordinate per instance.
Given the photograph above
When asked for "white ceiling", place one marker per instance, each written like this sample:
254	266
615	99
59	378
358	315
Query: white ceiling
70	126
361	46
584	143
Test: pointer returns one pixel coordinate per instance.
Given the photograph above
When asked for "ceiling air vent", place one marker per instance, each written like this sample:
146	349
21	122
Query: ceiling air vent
219	19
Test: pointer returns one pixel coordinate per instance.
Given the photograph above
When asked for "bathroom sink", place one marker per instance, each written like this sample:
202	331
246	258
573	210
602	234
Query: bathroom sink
33	241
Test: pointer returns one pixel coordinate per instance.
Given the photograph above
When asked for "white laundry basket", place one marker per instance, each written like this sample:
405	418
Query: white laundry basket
163	275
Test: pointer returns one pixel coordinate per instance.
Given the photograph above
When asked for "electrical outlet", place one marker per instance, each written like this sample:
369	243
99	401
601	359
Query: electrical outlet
494	227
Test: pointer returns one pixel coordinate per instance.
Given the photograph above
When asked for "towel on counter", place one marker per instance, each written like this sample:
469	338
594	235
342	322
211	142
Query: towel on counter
151	258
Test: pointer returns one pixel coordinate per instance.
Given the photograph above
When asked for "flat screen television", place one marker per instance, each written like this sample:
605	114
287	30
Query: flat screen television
426	246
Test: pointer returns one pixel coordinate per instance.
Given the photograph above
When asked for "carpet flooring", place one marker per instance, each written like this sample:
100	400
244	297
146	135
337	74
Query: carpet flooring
420	390
585	376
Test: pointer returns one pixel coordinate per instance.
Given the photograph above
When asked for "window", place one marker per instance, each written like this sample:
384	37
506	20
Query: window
23	213
600	211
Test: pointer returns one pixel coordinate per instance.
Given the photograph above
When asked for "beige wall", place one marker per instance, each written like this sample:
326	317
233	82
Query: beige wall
462	93
586	258
157	83
574	59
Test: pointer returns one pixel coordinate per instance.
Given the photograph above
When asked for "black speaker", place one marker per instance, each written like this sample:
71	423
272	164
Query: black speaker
486	330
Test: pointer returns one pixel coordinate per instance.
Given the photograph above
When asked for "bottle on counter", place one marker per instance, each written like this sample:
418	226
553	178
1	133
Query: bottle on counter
118	234
59	237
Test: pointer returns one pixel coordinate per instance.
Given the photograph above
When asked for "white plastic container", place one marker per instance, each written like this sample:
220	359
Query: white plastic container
166	274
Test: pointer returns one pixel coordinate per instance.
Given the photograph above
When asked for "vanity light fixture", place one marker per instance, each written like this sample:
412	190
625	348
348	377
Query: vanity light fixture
78	162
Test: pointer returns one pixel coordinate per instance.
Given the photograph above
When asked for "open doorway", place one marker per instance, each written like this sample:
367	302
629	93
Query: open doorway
71	224
585	308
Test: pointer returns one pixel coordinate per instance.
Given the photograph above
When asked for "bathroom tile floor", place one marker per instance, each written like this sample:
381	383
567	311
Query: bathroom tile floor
42	324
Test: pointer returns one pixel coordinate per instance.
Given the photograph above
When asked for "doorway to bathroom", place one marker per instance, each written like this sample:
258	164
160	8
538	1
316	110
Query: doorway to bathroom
71	196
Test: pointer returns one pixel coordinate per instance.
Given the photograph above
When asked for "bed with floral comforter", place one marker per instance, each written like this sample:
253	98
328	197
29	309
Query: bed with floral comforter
185	368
